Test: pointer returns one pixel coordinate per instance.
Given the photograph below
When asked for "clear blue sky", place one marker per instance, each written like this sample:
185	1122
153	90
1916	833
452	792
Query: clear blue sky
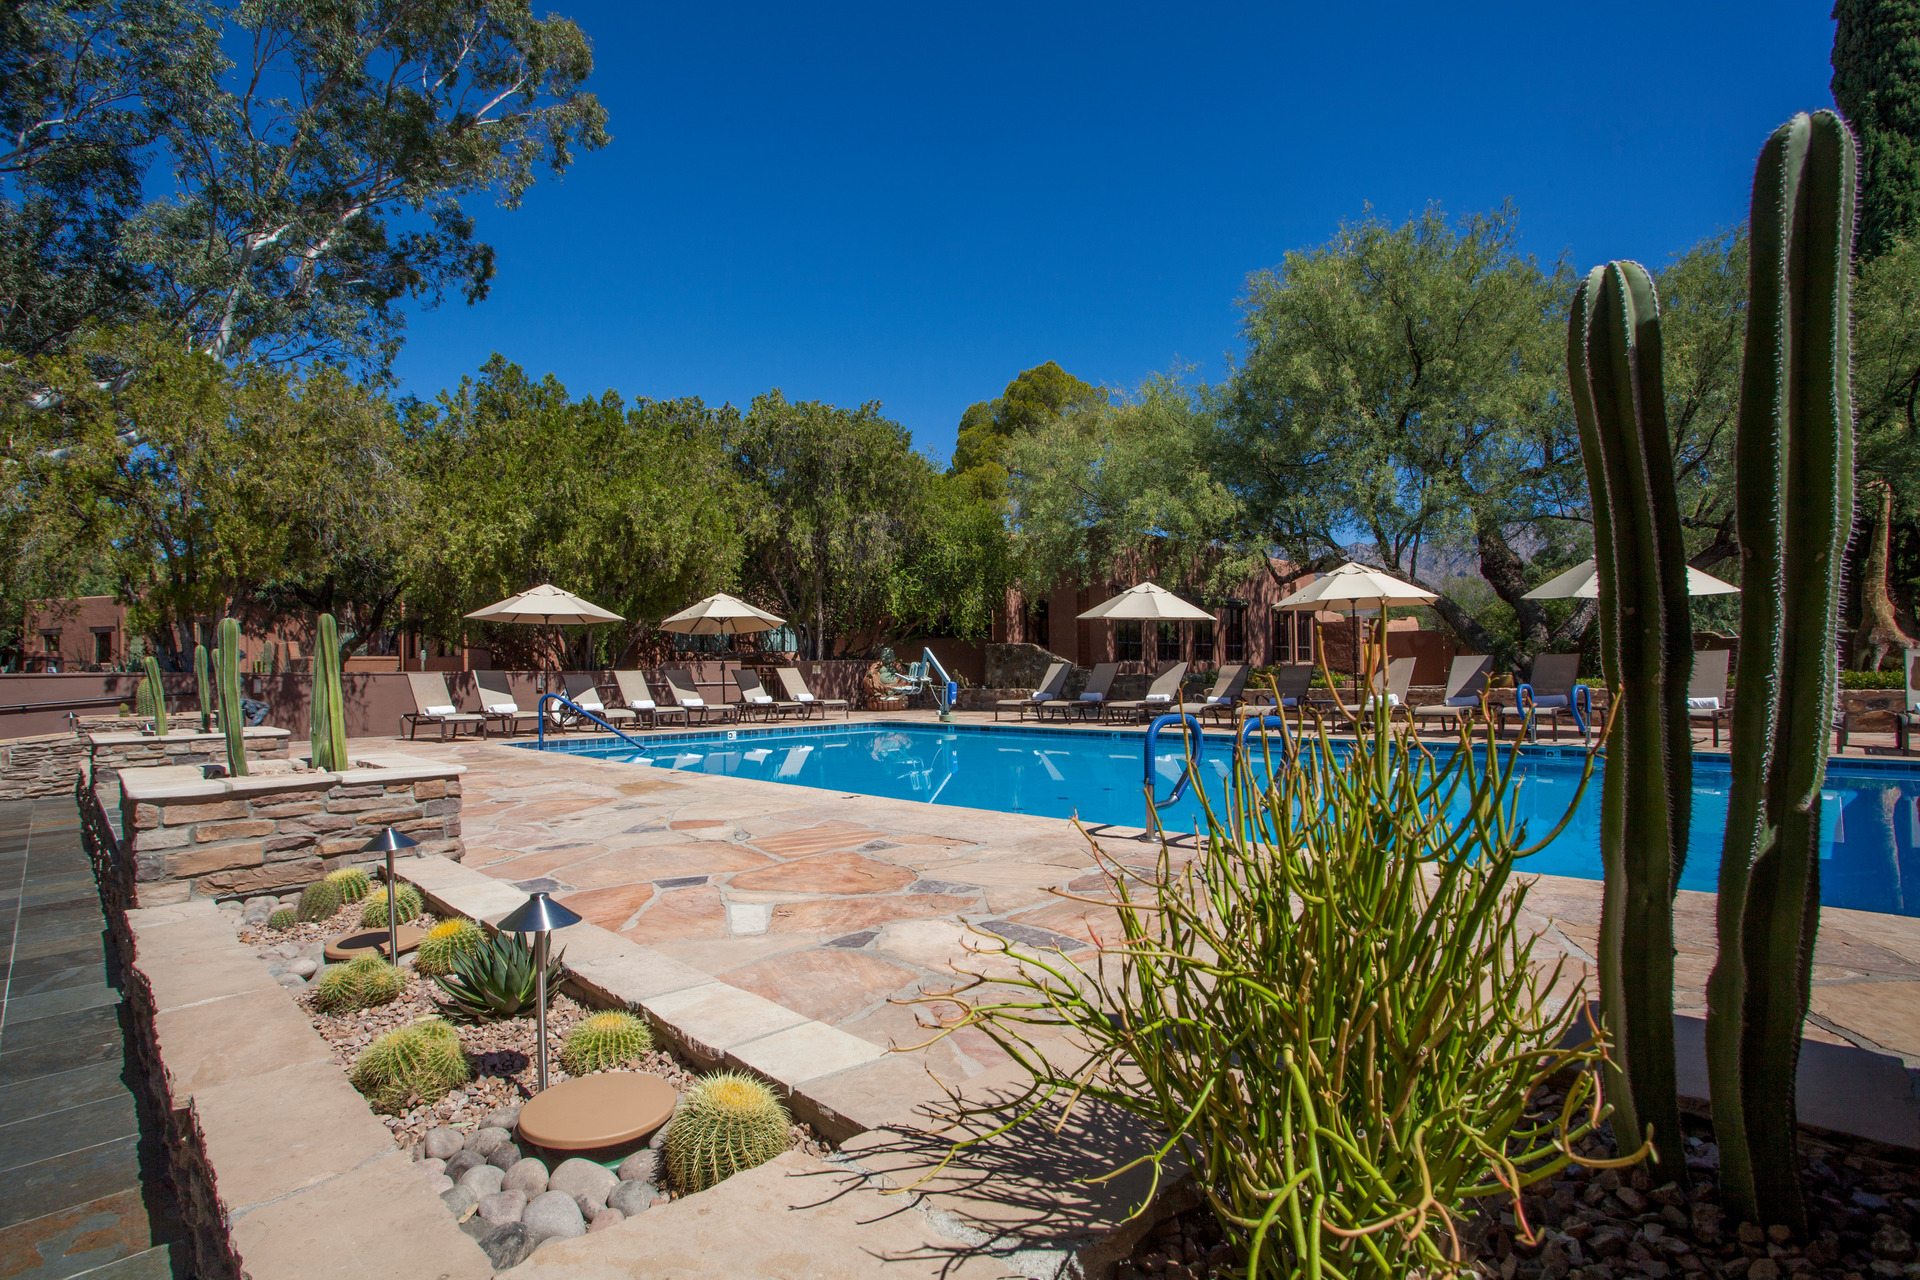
912	205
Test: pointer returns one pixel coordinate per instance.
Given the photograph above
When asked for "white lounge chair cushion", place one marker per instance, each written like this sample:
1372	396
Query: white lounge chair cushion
762	699
693	702
1091	696
587	702
440	709
1463	702
1393	700
1552	700
1217	700
1703	704
803	697
1158	697
641	704
504	708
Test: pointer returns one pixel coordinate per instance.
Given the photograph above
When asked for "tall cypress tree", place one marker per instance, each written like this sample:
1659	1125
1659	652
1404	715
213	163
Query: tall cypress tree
1876	85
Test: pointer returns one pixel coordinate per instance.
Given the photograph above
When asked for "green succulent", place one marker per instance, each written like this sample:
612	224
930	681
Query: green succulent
373	914
495	979
352	883
360	983
417	1063
604	1040
282	918
724	1124
318	901
445	941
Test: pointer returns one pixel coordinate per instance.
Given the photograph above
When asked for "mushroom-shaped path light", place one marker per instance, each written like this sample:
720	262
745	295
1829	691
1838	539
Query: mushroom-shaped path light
389	842
539	915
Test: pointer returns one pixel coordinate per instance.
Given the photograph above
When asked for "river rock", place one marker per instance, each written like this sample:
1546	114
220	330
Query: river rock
641	1166
443	1144
553	1215
459	1201
483	1180
431	1166
303	967
659	1138
258	909
502	1118
291	981
507	1246
631	1197
587	1182
503	1207
461	1161
486	1139
606	1218
477	1228
527	1175
440	1184
504	1156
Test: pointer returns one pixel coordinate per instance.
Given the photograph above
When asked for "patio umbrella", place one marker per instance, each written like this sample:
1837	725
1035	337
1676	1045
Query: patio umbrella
1345	588
1582	582
721	614
545	606
1146	603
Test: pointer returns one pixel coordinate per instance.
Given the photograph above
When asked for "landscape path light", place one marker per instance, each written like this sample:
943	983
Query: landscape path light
539	915
389	842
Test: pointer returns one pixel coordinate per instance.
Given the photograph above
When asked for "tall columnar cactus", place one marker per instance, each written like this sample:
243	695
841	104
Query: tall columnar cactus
233	721
1793	507
1646	642
203	688
153	695
327	721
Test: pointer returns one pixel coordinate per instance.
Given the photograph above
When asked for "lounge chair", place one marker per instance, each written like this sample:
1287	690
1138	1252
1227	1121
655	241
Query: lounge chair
497	703
583	691
1291	681
639	699
755	698
1159	700
1466	681
1391	684
432	704
796	686
686	695
1088	703
1554	688
1707	691
1229	687
1051	687
1907	720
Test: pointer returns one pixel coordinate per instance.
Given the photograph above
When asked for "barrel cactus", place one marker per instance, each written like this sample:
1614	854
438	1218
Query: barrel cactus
318	901
604	1040
360	983
352	883
406	901
724	1124
282	918
150	699
444	943
418	1063
233	721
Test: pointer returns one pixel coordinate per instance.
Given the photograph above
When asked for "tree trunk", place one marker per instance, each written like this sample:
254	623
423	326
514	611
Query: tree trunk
1506	573
1879	624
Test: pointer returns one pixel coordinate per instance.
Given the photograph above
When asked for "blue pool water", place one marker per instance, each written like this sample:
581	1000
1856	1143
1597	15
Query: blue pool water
1870	845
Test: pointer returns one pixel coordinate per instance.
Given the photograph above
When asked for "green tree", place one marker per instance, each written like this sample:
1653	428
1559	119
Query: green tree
1886	385
1876	85
1037	398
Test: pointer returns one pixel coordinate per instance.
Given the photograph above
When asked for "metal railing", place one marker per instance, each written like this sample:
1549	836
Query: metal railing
943	689
1192	741
540	710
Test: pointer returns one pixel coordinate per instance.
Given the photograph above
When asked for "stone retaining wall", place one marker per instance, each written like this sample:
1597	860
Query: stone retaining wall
47	765
120	749
44	766
192	836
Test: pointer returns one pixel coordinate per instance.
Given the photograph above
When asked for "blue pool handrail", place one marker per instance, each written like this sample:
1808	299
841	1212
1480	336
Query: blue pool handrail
1580	705
1153	733
943	687
578	710
1262	723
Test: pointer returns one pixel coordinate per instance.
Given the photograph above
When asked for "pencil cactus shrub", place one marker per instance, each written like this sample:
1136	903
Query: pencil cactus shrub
203	690
411	1065
151	697
360	983
327	721
1793	509
1330	1016
283	918
604	1040
318	901
352	882
1646	655
233	721
445	943
406	901
726	1123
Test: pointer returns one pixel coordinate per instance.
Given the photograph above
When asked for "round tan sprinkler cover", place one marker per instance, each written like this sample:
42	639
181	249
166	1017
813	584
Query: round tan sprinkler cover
349	945
601	1110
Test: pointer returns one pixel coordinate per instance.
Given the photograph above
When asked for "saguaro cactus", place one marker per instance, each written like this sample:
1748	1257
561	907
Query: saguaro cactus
1646	642
202	688
327	722
155	696
233	721
1793	507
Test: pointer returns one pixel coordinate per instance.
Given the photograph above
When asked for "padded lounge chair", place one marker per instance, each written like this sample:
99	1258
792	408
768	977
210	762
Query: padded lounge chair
754	697
584	692
796	686
638	699
432	704
497	702
1392	684
1292	681
1907	720
686	695
1707	690
1088	703
1159	700
1554	689
1229	687
1466	681
1052	685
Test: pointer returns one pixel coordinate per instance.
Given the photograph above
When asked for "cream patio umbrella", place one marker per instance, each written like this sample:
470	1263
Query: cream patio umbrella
545	606
1582	582
721	614
1146	602
1345	589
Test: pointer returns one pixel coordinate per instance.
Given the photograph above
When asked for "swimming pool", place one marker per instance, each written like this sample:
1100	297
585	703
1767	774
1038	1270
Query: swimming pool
1871	818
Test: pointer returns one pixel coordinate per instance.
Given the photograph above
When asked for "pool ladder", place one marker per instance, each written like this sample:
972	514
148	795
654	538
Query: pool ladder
578	710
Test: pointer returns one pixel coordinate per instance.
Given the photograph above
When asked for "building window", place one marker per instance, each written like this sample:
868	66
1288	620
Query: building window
1167	646
1234	641
51	639
1126	642
1042	630
1203	642
103	647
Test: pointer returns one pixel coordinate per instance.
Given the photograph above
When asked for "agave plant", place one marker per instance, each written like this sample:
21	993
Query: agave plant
495	979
